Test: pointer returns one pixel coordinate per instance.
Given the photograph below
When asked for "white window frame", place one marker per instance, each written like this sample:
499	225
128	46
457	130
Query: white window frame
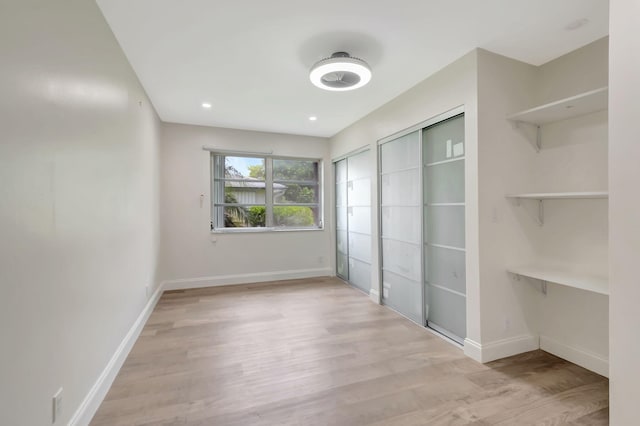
269	203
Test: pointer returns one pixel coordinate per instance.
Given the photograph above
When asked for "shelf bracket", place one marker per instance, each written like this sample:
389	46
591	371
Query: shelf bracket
540	218
543	283
540	212
537	144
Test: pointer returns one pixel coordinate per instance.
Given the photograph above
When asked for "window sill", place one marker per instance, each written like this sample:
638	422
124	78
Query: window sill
263	230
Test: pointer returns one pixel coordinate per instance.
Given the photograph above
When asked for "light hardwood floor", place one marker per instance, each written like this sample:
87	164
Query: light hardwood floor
318	352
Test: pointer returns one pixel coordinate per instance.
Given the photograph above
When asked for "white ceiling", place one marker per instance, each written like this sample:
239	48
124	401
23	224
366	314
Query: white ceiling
251	58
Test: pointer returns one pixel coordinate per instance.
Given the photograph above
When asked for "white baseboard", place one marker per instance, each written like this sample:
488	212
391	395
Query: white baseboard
220	280
374	295
473	349
491	351
98	391
582	357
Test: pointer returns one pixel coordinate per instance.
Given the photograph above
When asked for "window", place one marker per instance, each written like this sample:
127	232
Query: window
265	192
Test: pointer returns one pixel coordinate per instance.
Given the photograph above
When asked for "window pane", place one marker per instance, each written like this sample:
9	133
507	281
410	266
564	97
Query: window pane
243	167
296	170
244	192
359	192
360	274
360	246
401	188
445	268
294	193
241	216
401	154
341	267
341	171
295	216
444	183
401	223
444	141
445	225
341	218
341	195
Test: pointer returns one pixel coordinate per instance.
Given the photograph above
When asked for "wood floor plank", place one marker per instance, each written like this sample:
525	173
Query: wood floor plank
317	352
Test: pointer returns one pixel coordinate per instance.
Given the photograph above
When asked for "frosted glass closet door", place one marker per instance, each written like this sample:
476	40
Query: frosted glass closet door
444	227
401	218
342	243
359	219
353	220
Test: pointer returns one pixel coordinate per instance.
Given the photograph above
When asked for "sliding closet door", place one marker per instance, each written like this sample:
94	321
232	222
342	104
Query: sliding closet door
359	219
353	219
401	230
444	227
342	244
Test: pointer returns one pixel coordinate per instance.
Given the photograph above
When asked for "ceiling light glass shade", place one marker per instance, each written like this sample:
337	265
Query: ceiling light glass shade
340	72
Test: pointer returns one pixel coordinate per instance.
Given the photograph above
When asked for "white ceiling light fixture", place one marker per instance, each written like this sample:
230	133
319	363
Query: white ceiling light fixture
206	105
313	118
340	72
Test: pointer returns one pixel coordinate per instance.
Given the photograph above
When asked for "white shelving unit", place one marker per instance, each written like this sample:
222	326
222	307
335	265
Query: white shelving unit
563	109
569	257
563	276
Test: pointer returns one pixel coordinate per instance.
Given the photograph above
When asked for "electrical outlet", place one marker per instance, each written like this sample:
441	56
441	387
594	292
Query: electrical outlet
321	260
56	406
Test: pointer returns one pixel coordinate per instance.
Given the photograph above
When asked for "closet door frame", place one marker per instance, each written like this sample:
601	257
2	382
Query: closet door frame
335	195
415	128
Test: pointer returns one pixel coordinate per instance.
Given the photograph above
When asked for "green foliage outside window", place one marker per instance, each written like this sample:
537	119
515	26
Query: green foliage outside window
282	216
257	216
234	216
293	216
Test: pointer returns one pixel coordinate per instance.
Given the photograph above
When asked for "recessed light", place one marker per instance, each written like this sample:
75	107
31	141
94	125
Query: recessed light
313	118
206	105
578	23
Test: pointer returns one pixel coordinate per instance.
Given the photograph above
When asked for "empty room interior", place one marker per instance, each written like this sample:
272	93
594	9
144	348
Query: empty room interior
337	213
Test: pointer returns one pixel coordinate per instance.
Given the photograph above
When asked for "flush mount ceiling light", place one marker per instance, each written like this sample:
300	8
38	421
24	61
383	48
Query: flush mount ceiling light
340	72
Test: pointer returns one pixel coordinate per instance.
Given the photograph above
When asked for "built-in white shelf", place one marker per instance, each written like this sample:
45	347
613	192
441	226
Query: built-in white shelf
542	196
563	109
560	195
564	276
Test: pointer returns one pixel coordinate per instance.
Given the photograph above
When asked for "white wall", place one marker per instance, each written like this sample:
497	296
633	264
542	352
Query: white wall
452	86
191	254
583	69
79	210
624	210
504	164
